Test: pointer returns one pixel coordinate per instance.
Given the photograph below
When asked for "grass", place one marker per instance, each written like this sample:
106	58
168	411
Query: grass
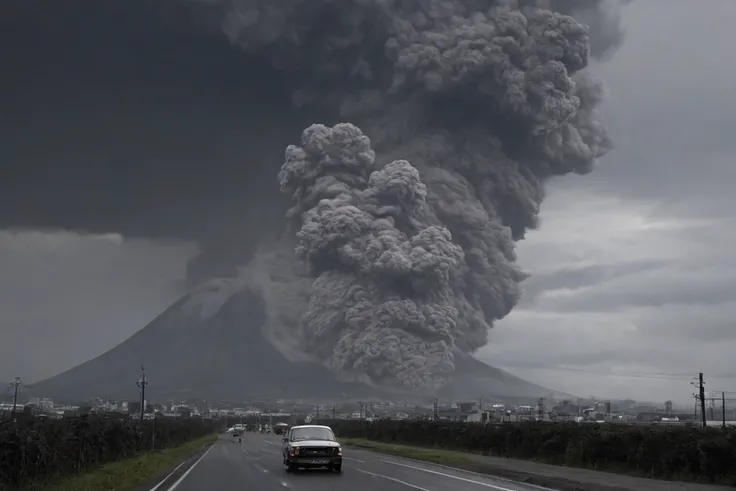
129	474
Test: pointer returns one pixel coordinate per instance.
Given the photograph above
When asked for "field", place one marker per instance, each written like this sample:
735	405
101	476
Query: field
660	452
34	452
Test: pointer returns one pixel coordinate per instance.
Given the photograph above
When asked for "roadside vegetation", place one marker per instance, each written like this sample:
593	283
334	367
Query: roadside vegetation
658	452
95	453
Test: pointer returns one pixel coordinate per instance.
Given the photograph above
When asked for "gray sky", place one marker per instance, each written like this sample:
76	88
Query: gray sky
632	267
65	298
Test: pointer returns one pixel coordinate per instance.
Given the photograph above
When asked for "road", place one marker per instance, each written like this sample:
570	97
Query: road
256	464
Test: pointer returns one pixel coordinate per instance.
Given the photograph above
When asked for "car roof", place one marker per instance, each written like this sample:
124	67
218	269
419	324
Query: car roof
311	426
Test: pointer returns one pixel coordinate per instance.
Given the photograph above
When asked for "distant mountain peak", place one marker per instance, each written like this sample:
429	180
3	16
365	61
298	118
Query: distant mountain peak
211	344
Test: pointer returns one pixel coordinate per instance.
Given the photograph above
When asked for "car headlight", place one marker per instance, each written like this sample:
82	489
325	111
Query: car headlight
338	451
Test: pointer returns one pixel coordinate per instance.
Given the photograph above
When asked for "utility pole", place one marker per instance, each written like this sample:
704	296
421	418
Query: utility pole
142	383
15	384
436	411
723	408
540	409
701	392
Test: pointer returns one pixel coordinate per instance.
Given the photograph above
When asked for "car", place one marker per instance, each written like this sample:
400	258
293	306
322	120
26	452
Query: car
311	446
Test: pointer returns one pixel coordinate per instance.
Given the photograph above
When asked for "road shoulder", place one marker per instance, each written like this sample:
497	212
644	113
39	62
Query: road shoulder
166	477
550	476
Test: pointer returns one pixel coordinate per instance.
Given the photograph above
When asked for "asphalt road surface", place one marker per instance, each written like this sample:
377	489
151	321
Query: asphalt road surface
256	464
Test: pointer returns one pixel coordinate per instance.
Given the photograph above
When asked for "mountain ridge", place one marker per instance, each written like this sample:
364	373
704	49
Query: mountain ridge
209	345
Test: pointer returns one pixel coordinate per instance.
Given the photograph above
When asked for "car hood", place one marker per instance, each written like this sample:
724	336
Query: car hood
314	443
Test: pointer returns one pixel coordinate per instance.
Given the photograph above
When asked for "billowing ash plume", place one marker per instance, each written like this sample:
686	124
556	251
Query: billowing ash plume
382	303
408	225
441	122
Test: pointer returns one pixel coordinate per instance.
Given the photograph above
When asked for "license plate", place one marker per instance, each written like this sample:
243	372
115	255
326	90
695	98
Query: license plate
319	461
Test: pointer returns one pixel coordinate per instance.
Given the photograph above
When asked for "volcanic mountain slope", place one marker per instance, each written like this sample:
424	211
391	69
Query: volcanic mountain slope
210	345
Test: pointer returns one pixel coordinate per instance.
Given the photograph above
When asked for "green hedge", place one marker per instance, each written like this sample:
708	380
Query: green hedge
37	450
655	451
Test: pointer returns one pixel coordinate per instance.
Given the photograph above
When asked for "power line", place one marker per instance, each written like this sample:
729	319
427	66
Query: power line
727	392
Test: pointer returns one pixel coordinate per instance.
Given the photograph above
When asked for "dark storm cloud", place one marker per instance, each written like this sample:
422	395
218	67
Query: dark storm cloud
154	125
484	101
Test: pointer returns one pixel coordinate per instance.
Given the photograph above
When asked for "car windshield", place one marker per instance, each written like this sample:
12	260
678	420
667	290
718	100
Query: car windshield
302	434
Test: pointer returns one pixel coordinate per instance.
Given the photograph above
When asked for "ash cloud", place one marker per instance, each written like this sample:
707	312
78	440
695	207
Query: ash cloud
382	303
441	122
485	102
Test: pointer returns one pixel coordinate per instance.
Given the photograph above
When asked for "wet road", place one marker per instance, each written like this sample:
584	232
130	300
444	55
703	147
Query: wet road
256	464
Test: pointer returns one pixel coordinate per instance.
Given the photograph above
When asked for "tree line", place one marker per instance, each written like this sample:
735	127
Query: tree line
657	451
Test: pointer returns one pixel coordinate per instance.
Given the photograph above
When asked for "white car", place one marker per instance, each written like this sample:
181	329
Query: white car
311	446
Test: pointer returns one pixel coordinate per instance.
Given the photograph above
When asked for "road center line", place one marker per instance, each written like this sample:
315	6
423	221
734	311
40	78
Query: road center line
398	481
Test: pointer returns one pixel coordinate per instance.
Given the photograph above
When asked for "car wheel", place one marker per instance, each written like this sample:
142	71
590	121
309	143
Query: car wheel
336	468
288	467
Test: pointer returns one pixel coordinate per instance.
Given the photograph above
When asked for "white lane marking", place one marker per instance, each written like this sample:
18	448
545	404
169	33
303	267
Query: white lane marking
261	468
269	443
354	460
184	476
479	483
464	471
485	476
168	476
398	481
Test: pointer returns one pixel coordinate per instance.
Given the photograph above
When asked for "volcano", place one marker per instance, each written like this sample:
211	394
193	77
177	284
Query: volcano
210	345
